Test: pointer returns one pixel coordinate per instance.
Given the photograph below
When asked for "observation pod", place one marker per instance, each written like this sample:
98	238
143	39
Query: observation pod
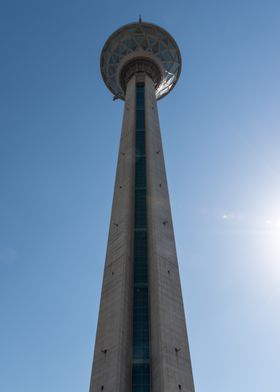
141	341
140	47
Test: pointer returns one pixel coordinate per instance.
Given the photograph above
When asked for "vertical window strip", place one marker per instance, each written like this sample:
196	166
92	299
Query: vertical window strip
141	323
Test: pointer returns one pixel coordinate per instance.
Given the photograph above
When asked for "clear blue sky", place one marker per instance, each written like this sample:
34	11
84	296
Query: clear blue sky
59	127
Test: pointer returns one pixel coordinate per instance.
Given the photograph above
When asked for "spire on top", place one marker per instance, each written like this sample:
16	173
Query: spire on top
140	18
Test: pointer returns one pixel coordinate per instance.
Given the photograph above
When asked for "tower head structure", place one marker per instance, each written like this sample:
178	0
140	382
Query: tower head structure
140	47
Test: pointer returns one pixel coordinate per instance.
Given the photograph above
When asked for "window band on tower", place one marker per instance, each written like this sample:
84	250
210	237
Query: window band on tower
141	323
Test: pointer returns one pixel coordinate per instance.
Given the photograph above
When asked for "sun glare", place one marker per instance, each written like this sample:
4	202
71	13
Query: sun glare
269	242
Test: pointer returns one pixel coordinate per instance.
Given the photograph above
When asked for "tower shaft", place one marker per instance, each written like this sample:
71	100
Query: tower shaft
141	341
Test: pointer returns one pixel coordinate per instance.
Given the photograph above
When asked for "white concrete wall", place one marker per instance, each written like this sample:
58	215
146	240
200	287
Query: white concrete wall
112	369
171	365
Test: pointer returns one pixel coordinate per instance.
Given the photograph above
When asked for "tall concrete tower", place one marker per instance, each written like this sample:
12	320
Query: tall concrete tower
141	341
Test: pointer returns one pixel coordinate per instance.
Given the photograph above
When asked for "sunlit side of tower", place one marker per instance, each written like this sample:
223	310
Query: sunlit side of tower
141	341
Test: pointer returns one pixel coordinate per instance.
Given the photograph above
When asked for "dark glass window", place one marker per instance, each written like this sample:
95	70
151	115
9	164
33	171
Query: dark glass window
140	209
141	335
140	143
140	178
141	378
140	96
140	119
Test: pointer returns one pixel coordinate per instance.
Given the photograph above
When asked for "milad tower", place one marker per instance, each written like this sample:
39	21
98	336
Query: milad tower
141	341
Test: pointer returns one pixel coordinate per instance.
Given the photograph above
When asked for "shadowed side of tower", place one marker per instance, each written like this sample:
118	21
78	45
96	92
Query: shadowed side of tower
141	341
112	354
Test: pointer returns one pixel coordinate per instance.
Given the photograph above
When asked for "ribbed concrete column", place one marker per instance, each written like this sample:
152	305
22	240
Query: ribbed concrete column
169	352
112	355
171	365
